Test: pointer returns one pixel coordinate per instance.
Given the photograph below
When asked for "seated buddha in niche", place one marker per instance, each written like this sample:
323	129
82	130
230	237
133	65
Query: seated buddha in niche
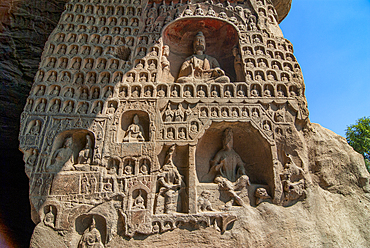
201	67
228	171
134	132
227	162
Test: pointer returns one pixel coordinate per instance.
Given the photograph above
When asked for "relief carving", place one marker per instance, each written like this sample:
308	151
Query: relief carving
201	67
119	109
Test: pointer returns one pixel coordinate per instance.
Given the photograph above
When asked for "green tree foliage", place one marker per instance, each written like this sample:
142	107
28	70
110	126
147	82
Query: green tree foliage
358	136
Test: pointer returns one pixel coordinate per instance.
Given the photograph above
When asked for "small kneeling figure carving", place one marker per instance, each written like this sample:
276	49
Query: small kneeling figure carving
170	181
203	202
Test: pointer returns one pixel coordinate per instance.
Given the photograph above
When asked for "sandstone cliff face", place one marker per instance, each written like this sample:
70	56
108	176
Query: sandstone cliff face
334	214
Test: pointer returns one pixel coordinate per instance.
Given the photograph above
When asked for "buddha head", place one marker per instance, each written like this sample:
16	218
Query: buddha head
228	139
199	44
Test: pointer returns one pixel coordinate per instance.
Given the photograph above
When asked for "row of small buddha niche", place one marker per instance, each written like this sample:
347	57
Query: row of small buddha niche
214	91
103	1
271	76
78	63
95	39
73	49
129	167
108	10
150	65
229	112
83	93
261	51
251	19
157	10
63	159
259	41
79	78
80	27
114	31
275	65
177	134
68	107
162	91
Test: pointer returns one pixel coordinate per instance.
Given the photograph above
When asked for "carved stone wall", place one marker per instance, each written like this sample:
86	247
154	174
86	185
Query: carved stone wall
162	117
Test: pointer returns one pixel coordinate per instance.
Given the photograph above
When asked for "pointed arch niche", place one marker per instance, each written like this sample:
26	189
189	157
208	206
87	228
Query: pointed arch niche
221	36
256	152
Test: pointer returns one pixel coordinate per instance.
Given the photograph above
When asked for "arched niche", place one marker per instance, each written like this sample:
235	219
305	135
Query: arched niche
79	141
220	37
251	146
128	118
83	222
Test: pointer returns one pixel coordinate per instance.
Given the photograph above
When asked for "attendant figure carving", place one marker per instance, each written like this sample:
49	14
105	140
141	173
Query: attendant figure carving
238	65
201	67
292	179
168	113
62	158
261	195
85	155
166	74
170	182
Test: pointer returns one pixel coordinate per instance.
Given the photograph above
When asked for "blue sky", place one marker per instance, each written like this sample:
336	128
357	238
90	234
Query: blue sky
331	40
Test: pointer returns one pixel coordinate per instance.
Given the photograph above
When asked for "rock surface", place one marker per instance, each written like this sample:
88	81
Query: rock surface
335	212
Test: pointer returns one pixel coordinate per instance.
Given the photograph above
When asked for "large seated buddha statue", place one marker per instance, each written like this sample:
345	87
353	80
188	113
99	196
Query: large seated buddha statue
200	67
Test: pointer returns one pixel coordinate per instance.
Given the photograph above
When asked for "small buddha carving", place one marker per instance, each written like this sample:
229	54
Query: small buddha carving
139	202
49	219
